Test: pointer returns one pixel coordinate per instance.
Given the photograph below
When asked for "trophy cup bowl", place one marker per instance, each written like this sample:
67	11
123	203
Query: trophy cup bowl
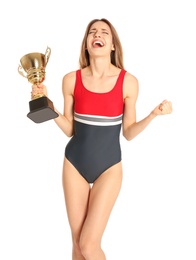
33	67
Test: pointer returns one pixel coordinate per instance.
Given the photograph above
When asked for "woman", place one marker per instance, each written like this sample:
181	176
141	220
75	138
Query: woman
99	98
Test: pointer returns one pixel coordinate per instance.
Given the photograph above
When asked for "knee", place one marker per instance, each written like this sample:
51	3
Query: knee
83	247
76	247
88	248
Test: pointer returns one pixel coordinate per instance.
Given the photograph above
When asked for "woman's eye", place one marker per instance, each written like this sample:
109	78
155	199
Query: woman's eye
91	32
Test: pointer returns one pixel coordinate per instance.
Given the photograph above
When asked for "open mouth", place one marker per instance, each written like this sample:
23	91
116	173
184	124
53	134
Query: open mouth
98	43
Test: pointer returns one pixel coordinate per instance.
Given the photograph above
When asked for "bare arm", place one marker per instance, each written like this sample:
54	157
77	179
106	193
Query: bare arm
131	128
65	120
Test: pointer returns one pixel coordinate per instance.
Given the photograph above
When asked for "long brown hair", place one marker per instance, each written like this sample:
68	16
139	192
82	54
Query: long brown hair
116	55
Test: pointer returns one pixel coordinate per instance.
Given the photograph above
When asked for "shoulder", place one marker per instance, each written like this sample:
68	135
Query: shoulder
68	83
131	85
69	77
130	78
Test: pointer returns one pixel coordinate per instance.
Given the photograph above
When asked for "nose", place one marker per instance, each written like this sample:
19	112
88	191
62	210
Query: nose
97	34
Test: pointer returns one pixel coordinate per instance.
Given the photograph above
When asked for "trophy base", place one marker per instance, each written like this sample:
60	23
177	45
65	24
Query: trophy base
41	110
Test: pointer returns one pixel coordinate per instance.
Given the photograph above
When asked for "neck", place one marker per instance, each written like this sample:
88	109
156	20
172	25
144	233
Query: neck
100	67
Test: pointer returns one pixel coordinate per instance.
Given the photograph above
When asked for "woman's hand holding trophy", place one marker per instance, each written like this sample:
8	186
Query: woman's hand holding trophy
38	91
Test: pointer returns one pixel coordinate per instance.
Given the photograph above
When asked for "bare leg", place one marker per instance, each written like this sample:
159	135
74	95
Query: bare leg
103	195
76	191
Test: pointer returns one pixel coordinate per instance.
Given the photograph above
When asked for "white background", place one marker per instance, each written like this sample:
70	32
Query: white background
154	217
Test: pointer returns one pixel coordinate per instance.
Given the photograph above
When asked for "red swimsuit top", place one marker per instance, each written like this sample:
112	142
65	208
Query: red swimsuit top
102	104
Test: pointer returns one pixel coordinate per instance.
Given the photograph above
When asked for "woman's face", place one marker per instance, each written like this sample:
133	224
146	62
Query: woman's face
99	39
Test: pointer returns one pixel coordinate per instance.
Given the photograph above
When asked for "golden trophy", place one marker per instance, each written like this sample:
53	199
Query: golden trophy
33	68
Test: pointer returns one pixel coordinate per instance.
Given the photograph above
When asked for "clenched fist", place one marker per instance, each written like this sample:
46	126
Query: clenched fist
164	108
38	91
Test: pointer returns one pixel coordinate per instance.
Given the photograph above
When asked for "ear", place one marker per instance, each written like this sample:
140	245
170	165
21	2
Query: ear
113	48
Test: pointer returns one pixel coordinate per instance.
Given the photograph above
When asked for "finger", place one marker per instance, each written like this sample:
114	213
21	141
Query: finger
166	108
161	107
40	86
164	101
34	88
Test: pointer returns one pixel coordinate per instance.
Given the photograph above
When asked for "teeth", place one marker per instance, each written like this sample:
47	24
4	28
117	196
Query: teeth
98	42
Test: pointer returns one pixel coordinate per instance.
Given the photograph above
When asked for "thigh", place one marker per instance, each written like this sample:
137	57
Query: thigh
76	192
103	195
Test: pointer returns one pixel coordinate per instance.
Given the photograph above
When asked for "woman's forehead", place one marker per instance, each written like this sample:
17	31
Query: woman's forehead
100	24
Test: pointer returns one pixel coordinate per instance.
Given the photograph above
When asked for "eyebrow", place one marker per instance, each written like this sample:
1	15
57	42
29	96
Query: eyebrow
93	29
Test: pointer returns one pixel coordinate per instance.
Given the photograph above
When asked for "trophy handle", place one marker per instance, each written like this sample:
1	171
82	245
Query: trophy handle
47	55
21	71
